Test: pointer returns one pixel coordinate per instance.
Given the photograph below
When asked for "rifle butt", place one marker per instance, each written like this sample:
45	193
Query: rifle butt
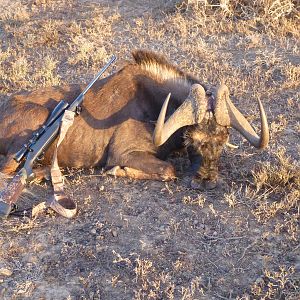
10	194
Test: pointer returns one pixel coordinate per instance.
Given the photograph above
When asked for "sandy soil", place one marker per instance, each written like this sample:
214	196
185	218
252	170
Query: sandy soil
147	239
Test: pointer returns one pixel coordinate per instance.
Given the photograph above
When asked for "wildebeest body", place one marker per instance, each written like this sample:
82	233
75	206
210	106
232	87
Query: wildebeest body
117	122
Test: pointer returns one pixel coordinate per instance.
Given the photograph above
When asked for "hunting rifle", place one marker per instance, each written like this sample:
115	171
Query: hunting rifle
37	145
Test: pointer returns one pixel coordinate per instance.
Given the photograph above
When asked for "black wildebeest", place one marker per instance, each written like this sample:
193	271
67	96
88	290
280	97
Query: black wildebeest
116	128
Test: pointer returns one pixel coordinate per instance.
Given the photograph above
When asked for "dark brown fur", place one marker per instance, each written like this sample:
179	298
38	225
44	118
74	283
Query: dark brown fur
116	124
206	141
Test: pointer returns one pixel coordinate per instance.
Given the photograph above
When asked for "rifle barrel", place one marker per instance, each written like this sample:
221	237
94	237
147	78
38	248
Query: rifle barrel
113	58
76	103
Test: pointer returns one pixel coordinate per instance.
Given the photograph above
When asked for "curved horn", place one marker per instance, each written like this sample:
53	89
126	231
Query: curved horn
190	112
228	115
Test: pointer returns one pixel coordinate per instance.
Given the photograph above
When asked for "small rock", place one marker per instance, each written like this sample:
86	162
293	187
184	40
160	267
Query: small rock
260	281
5	272
114	233
31	259
202	227
93	231
99	248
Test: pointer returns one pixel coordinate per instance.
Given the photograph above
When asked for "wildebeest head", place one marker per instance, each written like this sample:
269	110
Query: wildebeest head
207	117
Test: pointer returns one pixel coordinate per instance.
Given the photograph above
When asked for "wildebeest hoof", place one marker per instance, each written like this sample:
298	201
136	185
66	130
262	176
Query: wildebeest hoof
113	171
200	184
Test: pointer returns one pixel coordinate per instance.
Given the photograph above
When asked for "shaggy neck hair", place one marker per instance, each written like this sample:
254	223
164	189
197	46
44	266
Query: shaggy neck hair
160	68
169	77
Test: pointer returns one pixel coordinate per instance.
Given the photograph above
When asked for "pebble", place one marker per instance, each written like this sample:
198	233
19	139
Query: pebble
162	227
114	233
5	272
259	280
31	259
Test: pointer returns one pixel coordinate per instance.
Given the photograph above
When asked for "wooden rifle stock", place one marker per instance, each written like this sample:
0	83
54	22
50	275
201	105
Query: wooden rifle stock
11	193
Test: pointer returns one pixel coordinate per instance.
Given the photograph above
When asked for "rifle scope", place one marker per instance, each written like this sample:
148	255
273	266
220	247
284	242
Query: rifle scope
57	111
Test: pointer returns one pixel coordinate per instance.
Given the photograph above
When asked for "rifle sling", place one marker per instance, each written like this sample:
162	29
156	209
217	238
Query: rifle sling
59	202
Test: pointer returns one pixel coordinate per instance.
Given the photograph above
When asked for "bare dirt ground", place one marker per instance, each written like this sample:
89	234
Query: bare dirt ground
155	240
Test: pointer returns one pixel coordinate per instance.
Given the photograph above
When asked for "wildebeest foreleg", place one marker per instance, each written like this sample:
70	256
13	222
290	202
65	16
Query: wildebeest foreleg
132	173
140	165
133	151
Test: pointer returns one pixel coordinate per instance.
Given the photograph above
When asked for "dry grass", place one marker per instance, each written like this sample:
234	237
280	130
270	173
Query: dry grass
276	192
150	240
276	284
